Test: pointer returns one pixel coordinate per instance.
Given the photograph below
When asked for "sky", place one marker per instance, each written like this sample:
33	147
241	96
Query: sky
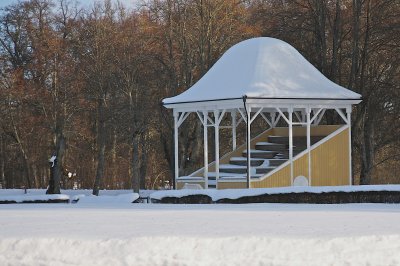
128	3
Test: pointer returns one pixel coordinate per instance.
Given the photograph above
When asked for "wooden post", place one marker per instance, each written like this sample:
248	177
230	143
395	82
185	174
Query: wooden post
233	114
348	112
248	140
205	141
290	111
216	128
176	114
308	112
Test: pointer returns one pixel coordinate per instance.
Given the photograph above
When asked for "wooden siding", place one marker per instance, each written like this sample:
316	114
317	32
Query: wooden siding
231	185
323	130
329	165
330	161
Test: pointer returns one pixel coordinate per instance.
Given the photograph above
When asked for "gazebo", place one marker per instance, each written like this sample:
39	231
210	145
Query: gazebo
268	78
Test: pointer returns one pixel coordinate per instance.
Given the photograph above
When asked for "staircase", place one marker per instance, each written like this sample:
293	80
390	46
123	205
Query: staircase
265	157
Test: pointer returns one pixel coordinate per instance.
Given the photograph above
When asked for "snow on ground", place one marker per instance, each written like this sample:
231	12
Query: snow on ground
114	232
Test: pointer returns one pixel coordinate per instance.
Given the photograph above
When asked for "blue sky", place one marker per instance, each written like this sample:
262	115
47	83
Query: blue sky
129	3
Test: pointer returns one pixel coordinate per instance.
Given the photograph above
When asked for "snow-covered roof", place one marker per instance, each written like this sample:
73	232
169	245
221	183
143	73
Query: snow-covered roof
263	68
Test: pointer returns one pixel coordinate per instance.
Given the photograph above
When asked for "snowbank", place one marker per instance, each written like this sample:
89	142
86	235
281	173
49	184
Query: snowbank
82	196
33	198
91	199
375	250
216	195
154	234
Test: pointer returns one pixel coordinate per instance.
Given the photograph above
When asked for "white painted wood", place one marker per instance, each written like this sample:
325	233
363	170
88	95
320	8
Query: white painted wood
216	129
266	119
200	117
176	156
320	116
276	120
255	115
348	111
341	115
233	114
291	145
282	115
205	141
182	118
308	120
248	148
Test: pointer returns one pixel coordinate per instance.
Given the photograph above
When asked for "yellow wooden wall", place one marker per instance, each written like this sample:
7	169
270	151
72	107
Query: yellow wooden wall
329	165
229	185
330	162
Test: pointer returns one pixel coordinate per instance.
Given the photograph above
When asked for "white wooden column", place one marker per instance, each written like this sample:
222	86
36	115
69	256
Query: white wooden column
216	140
308	120
248	139
348	112
234	125
176	162
205	141
290	111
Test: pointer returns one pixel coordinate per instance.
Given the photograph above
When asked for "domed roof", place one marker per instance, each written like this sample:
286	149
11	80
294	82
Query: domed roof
263	68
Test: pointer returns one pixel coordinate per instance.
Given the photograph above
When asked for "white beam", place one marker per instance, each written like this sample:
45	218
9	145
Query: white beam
315	114
200	117
320	116
242	114
276	120
255	115
266	119
182	118
282	115
342	115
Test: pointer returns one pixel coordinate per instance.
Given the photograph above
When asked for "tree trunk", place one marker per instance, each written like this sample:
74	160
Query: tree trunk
114	158
2	163
367	152
143	161
56	169
101	144
135	164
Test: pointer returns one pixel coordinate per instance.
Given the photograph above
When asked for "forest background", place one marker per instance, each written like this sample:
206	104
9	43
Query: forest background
85	84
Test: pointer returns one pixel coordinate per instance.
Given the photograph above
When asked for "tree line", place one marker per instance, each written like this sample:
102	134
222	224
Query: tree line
84	85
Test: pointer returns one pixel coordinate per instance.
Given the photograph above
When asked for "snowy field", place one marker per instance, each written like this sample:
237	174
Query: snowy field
104	231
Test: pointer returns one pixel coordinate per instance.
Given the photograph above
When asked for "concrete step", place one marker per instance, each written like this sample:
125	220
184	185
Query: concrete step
285	155
264	170
276	162
243	161
297	140
268	146
260	154
223	175
232	168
